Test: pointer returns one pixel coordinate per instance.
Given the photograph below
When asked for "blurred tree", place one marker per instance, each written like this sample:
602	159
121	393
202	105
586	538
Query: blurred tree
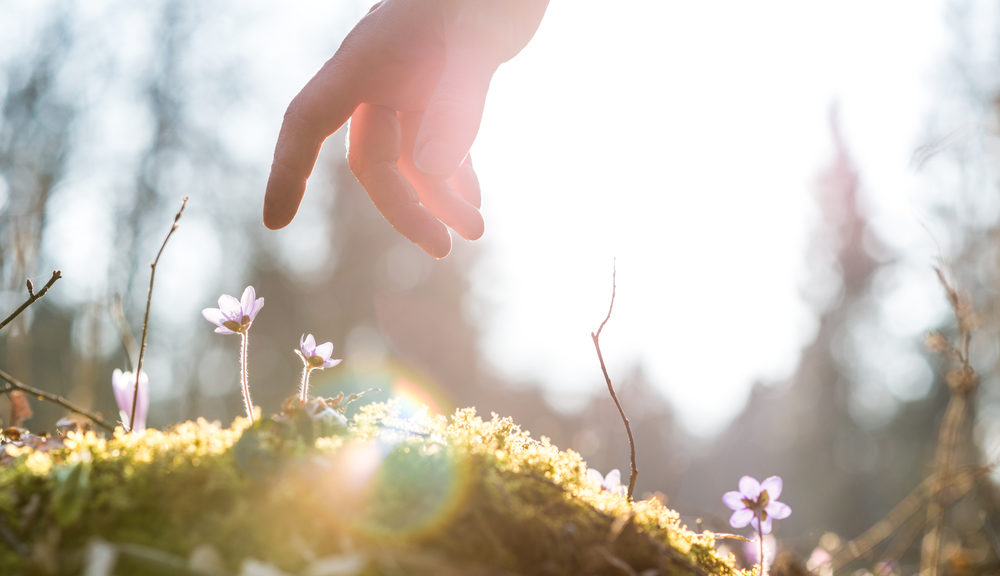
37	119
836	448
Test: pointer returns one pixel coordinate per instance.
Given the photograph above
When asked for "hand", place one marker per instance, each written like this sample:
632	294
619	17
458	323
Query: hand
412	76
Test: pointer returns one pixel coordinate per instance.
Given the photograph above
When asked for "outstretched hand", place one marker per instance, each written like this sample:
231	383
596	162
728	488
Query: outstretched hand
412	76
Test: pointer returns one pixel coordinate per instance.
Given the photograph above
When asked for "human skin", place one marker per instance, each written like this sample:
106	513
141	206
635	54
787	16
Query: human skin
412	77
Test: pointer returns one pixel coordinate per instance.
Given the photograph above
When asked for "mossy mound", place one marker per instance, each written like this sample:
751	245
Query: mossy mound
391	493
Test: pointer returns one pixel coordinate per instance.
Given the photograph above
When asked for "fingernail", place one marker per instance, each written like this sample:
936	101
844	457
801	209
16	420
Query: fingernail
438	157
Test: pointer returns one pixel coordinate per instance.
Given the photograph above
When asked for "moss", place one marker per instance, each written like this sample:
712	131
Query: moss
392	493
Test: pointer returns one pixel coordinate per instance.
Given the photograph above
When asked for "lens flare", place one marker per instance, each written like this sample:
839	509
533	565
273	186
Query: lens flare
401	484
386	380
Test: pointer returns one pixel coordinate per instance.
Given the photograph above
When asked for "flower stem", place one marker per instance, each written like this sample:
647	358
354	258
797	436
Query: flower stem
304	388
760	537
244	383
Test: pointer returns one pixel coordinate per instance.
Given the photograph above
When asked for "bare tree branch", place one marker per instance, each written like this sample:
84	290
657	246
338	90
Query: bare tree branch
13	384
32	297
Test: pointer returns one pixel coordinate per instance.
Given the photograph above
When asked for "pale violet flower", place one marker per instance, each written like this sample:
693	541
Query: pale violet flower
612	482
316	356
313	358
756	503
123	384
234	316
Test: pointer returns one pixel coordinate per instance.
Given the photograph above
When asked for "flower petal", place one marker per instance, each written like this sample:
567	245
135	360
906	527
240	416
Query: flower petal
773	486
124	387
324	350
778	510
142	408
119	384
741	518
223	330
332	362
613	480
595	477
230	307
308	344
255	308
734	500
213	315
247	300
750	487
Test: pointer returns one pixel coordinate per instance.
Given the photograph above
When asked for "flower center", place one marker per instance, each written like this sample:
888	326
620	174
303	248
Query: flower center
758	506
232	325
315	361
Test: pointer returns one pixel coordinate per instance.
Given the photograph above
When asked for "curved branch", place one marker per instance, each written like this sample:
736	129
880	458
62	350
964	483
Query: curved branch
32	297
13	384
634	472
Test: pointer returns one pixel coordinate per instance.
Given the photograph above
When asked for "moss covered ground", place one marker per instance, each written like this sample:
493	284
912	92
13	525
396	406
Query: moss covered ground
391	492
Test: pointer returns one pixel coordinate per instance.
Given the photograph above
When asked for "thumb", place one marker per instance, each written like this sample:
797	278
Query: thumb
451	119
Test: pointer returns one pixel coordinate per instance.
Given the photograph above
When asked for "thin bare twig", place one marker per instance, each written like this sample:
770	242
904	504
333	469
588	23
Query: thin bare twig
634	473
32	297
145	320
13	384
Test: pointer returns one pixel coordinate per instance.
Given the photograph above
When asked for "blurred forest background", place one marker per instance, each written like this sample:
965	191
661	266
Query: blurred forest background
99	140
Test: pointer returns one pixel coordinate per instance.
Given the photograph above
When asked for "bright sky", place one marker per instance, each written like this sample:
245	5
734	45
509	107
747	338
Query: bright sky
683	139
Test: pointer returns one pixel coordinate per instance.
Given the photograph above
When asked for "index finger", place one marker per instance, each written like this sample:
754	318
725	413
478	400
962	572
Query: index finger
322	107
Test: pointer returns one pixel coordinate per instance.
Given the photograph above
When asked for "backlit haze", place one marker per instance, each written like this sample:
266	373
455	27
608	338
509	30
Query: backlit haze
683	140
678	141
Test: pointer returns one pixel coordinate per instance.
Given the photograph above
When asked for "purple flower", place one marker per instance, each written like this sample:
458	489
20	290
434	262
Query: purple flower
123	384
316	356
313	358
756	503
234	316
612	482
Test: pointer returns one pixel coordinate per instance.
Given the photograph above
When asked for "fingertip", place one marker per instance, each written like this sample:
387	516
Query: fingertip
476	228
420	227
282	198
438	251
466	183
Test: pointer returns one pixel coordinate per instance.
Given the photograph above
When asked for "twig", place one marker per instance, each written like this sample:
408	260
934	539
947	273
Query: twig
13	384
32	296
961	383
628	428
145	320
964	480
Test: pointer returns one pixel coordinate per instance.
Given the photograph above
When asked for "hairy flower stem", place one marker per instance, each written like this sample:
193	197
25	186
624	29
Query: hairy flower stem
304	387
244	382
760	537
